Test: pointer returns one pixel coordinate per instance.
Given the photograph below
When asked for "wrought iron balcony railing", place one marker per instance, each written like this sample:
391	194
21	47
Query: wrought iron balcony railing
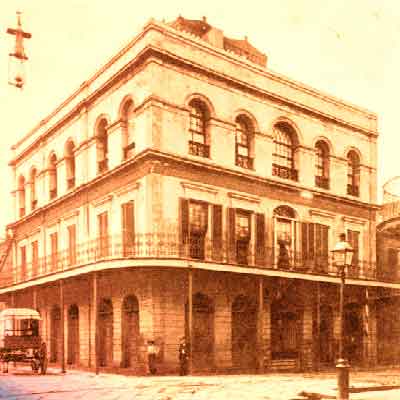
199	149
244	161
353	190
168	246
102	166
322	182
285	172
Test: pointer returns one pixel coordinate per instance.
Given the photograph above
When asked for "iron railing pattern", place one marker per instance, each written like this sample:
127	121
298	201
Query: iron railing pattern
169	246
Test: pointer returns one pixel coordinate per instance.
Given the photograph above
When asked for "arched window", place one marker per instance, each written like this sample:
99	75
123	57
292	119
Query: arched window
128	140
21	196
102	146
283	157
199	115
322	165
33	189
70	163
353	173
244	135
53	177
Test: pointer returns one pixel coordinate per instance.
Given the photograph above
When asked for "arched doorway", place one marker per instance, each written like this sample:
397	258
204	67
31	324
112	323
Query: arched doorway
353	337
326	339
202	332
286	326
55	321
105	333
130	332
244	332
73	335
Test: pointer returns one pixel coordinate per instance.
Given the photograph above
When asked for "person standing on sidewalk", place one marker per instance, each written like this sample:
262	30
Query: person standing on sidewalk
183	357
152	355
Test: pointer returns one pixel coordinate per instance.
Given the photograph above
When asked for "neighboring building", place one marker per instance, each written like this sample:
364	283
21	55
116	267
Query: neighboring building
388	250
187	190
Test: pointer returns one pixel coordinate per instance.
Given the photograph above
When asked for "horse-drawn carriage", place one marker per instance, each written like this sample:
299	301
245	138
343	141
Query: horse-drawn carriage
20	340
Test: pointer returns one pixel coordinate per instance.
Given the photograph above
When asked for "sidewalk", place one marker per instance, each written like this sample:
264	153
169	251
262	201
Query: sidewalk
21	383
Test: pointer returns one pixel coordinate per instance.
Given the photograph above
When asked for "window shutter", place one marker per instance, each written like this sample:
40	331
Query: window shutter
231	235
128	228
324	247
353	239
183	226
72	244
260	239
217	232
54	250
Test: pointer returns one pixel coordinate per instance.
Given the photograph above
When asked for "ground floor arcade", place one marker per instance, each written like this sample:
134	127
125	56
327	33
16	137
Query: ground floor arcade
234	322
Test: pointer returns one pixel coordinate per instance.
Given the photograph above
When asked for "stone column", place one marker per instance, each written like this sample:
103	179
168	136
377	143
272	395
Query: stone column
223	335
117	333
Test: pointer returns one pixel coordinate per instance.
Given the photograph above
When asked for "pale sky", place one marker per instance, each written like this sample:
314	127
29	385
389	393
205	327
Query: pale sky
348	48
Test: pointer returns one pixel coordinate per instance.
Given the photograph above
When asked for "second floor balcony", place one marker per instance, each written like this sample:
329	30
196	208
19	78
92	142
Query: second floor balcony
168	246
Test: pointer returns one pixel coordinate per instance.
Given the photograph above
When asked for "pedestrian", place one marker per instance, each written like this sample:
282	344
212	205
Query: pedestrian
183	357
152	355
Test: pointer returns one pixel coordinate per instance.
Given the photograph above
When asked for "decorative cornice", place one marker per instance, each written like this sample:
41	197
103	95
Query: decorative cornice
354	220
127	188
70	215
244	197
199	187
102	200
319	213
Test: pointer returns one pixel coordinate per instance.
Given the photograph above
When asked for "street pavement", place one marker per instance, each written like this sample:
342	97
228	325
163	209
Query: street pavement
20	384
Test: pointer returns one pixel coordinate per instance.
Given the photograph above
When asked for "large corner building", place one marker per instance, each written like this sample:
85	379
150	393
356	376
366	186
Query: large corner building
187	190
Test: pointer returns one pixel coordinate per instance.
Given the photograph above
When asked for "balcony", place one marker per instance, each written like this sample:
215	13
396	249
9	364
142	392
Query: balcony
322	182
34	204
285	172
129	151
167	246
199	149
53	193
71	182
244	161
353	190
102	166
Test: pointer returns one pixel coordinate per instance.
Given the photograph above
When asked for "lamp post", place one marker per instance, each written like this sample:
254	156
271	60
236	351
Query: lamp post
342	257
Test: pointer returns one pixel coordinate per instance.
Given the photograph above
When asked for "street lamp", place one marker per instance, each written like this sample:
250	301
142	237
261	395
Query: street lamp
342	258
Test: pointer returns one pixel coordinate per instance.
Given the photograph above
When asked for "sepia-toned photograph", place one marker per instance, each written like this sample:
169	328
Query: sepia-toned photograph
200	200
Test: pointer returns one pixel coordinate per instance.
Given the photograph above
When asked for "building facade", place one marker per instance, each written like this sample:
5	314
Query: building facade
185	190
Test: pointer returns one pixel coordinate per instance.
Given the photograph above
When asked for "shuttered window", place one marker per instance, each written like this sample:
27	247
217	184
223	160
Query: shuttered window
216	220
35	257
54	250
72	244
314	246
193	228
353	237
22	250
128	228
103	234
260	239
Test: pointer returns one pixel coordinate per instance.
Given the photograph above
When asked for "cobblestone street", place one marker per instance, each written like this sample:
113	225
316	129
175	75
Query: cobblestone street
20	383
